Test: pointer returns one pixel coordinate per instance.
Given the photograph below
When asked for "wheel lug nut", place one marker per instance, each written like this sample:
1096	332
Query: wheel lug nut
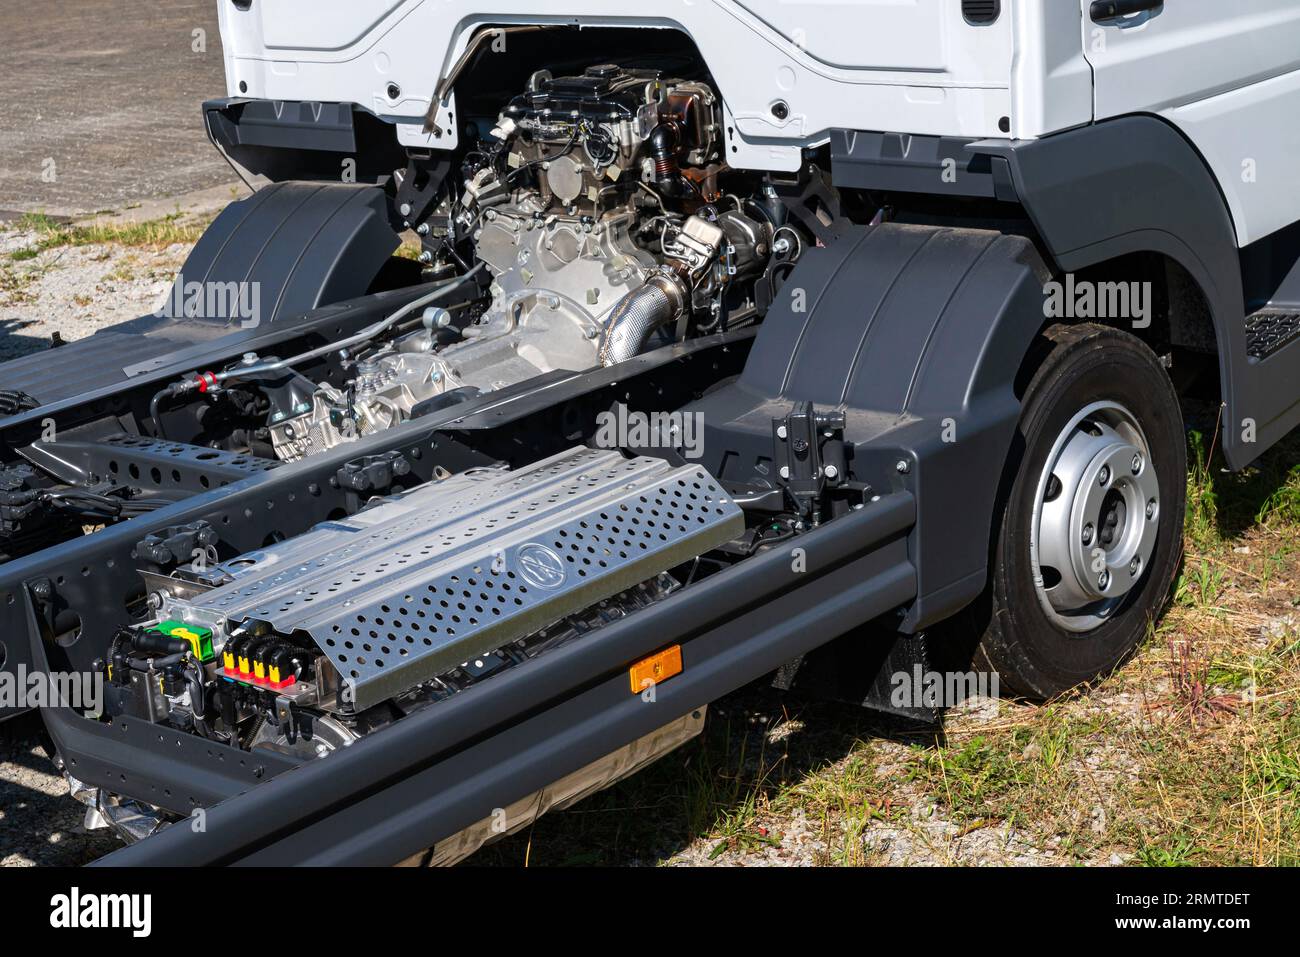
1137	464
1088	533
1151	509
1103	580
1104	476
1134	565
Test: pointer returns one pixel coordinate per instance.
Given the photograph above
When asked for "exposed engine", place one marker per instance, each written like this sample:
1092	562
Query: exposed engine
596	215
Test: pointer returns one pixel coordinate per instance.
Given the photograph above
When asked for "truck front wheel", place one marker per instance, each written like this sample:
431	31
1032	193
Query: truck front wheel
1090	537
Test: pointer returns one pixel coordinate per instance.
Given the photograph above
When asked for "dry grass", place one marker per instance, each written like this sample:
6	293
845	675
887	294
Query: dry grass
22	268
409	249
154	234
15	285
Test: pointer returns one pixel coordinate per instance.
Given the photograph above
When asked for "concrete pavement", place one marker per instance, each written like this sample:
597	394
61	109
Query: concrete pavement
99	103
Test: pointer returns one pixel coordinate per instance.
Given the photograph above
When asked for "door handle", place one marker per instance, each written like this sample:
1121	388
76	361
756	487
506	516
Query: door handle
1105	10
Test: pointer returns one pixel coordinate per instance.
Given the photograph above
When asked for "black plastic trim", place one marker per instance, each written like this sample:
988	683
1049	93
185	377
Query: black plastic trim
912	163
981	13
281	124
1135	184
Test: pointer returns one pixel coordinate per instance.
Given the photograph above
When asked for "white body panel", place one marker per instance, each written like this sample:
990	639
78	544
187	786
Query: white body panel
912	65
1228	76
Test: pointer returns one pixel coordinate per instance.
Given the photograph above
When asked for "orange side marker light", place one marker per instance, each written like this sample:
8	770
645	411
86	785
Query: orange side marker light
656	668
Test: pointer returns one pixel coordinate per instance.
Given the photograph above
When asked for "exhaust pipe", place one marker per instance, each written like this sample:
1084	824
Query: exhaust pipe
638	314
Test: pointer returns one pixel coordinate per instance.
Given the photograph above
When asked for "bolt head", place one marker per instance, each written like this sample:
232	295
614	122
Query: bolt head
785	472
1103	477
1151	509
832	472
1134	565
404	209
1088	533
903	466
781	432
1137	464
1103	580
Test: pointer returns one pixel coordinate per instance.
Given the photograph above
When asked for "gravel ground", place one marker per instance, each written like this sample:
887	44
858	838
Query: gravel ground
910	829
39	824
77	290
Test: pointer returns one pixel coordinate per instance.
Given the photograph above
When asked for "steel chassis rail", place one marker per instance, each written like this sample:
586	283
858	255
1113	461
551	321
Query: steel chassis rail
436	772
85	578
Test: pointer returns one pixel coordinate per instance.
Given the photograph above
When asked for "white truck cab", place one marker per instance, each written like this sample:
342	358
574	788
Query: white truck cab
1223	75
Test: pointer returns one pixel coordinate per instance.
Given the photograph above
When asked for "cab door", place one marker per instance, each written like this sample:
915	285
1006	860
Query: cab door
1226	73
1149	55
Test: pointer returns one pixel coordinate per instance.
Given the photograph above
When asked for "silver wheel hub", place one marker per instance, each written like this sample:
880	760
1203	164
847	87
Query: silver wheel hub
1096	517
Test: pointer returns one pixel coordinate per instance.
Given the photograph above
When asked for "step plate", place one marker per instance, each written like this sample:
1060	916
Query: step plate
1270	330
407	589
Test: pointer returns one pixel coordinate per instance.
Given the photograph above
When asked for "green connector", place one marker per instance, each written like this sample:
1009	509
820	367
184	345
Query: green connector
200	638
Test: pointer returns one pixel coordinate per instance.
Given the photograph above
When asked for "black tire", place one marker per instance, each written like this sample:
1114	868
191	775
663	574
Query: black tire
1031	653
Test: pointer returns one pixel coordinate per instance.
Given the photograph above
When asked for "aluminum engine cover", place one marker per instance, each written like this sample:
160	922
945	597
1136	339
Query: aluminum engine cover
409	588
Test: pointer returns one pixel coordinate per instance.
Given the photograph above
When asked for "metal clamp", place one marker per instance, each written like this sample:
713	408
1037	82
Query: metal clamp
809	448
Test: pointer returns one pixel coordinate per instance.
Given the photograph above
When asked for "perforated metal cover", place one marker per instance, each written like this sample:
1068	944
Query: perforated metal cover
414	586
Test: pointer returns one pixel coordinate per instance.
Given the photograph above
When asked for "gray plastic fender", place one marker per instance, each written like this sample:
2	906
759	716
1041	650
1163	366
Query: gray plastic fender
303	245
918	334
1136	184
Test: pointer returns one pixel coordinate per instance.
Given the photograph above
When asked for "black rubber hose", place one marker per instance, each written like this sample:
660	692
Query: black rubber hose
198	698
157	664
154	404
152	641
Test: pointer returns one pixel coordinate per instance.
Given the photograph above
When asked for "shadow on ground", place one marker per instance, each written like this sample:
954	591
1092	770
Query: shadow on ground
39	822
708	784
13	343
